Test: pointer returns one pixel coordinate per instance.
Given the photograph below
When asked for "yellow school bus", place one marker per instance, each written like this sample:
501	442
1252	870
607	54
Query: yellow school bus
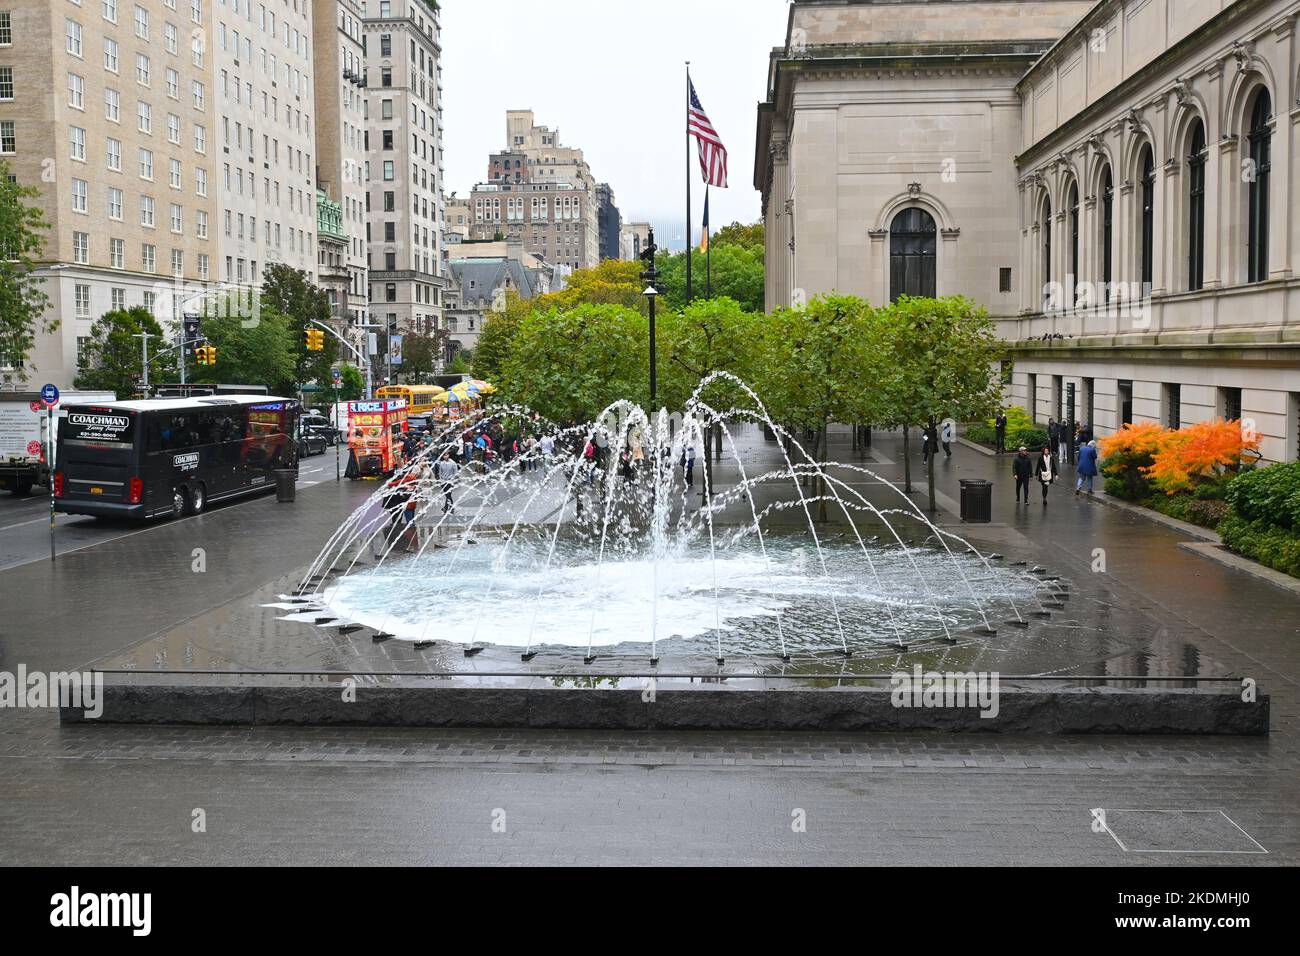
420	399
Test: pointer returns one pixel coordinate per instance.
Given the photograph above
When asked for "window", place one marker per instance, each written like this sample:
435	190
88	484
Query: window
146	211
113	151
174	173
201	224
117	298
385	77
177	218
81	296
6	28
1230	404
386	109
197	89
148	259
112	106
388	170
200	139
178	262
142	23
170	38
142	69
912	254
146	164
72	29
390	232
390	292
1196	209
80	191
196	11
203	267
6	82
1047	249
8	138
386	45
1148	236
77	143
1258	174
1073	277
110	10
143	117
201	182
388	139
81	248
110	55
1173	406
390	203
1004	280
173	84
1107	231
115	204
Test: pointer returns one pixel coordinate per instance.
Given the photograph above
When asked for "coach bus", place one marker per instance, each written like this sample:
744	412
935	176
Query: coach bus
169	457
420	399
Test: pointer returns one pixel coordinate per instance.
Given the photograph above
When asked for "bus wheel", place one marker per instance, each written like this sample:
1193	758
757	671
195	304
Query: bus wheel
198	498
178	502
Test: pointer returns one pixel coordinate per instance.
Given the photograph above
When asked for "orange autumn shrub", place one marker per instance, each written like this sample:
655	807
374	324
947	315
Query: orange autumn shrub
1125	457
1197	453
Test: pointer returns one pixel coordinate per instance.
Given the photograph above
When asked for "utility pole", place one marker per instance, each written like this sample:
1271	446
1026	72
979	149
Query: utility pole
144	338
651	293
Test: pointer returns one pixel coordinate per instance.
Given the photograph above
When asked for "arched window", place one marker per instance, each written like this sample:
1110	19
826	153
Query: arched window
1196	208
1148	250
1261	164
1107	231
1047	250
1074	240
912	255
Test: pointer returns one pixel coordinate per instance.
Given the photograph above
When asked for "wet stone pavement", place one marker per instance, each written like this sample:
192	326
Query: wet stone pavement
106	794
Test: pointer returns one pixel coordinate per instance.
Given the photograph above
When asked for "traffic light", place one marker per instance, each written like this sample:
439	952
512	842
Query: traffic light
315	340
211	351
206	354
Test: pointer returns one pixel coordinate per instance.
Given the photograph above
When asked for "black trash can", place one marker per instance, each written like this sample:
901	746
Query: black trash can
286	485
976	500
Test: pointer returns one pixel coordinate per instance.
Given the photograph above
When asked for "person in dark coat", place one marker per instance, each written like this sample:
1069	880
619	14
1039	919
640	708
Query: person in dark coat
1000	430
1023	469
1087	467
1046	471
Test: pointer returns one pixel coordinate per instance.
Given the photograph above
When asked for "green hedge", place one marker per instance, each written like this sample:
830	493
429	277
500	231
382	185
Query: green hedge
1269	494
1035	439
1271	546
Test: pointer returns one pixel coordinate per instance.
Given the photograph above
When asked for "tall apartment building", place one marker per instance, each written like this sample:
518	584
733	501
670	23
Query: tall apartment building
541	192
339	74
610	222
107	107
264	92
404	166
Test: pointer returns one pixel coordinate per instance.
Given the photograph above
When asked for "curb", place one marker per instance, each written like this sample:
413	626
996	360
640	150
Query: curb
1217	552
1186	527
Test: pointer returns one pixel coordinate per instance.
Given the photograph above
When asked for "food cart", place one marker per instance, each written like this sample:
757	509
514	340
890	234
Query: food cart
374	435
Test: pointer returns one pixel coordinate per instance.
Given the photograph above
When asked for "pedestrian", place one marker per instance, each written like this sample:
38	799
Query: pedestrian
445	471
1053	434
1065	440
548	449
925	446
625	464
1087	467
1000	431
949	436
1023	468
688	462
1046	471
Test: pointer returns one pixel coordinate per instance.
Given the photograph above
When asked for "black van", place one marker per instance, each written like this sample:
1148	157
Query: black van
168	457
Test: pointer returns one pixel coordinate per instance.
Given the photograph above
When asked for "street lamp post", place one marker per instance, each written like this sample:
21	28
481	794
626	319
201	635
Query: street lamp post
651	293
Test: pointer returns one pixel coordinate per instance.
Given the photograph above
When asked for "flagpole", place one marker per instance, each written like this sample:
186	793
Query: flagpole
690	238
708	249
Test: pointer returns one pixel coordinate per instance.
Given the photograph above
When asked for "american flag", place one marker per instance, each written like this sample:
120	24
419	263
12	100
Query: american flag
713	155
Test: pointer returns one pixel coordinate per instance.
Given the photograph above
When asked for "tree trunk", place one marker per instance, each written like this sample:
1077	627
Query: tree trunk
907	460
934	453
717	441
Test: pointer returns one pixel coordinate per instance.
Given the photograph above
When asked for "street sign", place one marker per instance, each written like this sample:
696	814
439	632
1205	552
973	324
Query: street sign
337	375
49	395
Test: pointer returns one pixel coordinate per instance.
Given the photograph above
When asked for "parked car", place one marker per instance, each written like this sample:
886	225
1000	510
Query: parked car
321	425
311	442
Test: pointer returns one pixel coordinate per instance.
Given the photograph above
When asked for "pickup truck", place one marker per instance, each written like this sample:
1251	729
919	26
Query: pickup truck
25	439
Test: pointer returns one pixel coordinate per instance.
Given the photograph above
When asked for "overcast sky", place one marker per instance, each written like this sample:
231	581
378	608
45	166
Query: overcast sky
585	67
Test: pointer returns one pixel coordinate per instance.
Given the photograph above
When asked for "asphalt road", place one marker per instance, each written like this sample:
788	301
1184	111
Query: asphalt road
25	522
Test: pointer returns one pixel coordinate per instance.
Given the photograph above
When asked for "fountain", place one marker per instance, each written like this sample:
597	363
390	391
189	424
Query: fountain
601	550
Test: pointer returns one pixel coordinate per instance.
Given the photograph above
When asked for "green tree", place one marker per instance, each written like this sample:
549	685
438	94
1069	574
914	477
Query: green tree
812	368
460	365
291	293
570	365
750	236
22	301
738	273
937	362
352	383
251	354
497	338
421	354
613	282
112	360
